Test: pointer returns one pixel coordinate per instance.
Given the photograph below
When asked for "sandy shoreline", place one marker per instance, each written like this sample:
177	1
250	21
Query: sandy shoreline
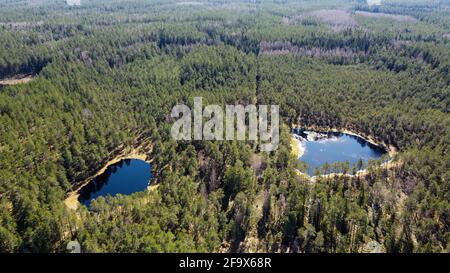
72	200
298	148
391	150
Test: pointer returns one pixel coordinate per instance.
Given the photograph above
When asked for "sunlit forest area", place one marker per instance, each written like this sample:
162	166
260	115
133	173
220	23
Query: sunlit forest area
81	82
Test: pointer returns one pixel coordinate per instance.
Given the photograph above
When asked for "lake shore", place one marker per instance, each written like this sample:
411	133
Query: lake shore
361	173
391	150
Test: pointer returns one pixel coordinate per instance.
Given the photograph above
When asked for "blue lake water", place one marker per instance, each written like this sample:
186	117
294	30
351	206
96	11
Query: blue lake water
126	177
337	147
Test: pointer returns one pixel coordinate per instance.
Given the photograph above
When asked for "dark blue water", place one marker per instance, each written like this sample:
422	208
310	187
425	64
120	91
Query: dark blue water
126	177
338	147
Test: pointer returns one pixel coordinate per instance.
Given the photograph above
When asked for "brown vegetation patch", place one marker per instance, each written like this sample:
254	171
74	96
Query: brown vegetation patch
337	19
257	162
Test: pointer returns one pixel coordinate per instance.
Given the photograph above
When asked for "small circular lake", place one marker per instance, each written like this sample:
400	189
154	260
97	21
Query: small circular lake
125	177
332	147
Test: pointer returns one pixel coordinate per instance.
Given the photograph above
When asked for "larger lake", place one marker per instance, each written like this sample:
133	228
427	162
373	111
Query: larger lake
126	177
332	147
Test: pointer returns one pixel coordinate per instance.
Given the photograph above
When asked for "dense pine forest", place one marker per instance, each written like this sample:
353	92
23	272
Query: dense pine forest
104	75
